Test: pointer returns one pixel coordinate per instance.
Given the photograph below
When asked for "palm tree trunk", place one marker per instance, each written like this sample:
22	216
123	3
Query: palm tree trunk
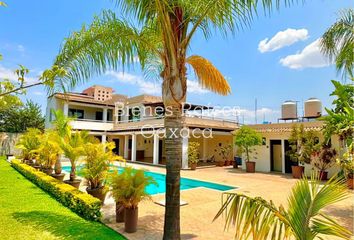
73	172
173	149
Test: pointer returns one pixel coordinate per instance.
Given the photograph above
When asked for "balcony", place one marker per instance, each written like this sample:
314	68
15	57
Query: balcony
91	124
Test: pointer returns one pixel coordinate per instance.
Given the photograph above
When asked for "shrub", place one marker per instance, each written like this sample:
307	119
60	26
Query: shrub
81	203
193	152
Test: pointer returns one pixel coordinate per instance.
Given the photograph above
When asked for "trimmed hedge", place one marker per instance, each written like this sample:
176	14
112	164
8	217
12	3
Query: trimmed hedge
79	202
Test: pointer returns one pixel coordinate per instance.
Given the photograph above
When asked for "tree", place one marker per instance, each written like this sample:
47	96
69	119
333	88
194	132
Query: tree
161	40
17	119
256	218
246	138
338	42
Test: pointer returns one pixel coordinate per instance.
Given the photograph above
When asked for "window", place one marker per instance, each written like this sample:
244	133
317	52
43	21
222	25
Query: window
77	113
99	116
134	114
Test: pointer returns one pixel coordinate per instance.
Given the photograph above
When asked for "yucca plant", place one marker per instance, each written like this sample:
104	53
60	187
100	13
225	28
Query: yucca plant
128	190
304	219
97	160
48	151
28	142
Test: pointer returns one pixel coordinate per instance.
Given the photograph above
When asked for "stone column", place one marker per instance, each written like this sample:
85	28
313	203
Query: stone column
155	159
126	146
133	157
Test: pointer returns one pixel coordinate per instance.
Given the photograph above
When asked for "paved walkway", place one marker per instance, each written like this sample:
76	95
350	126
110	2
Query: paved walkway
203	204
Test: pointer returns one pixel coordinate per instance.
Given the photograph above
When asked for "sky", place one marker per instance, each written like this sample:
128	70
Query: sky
275	59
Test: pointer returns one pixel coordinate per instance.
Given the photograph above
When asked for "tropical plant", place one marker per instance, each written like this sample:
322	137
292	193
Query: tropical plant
304	219
49	149
338	42
193	152
129	187
302	144
347	162
226	151
29	142
61	123
324	157
246	138
160	40
73	146
97	160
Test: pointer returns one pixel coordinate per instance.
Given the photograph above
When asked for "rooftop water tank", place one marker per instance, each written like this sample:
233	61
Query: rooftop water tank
289	110
313	108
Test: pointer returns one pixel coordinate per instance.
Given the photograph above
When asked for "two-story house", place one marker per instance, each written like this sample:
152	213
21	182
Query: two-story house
136	124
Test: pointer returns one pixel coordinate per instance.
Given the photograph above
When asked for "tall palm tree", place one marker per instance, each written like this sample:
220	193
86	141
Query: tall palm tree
255	218
338	42
162	34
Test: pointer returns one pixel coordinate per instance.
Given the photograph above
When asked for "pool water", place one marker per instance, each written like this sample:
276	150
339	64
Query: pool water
186	183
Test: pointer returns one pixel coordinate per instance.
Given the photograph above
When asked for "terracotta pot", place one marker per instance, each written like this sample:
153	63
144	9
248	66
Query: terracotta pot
120	212
193	166
297	171
220	163
48	171
38	167
130	220
75	183
323	175
350	182
60	176
250	167
227	163
99	193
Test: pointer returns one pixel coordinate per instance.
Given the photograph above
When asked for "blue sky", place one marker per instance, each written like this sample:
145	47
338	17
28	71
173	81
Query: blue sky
286	65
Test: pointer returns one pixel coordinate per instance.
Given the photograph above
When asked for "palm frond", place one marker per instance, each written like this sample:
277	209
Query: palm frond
108	43
338	42
209	76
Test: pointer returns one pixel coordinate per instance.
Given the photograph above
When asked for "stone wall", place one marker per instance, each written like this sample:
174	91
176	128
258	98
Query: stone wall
8	142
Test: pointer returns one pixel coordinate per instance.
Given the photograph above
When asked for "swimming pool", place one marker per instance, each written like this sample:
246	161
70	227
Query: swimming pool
186	183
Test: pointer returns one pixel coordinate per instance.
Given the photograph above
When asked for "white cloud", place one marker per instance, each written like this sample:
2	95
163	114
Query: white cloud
282	39
144	86
38	93
6	73
149	87
309	57
20	48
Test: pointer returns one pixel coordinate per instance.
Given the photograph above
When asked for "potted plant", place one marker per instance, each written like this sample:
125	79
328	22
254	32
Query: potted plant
48	151
73	146
302	143
97	160
246	138
323	159
225	153
128	189
28	143
347	164
193	154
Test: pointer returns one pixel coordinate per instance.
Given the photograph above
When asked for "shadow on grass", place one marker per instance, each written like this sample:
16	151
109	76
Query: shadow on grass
65	226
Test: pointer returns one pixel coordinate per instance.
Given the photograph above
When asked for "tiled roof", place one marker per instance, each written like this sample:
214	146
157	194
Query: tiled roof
286	127
77	97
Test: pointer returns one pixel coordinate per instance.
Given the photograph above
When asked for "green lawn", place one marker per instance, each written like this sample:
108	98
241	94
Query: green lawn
27	212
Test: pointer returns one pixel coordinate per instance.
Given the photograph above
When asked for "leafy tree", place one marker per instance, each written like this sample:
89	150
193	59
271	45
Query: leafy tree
304	219
338	42
161	41
18	119
246	138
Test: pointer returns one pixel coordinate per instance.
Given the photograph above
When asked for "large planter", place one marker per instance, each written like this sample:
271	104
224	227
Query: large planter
120	212
350	182
193	166
297	171
75	183
227	163
131	220
60	176
99	193
48	171
323	175
250	167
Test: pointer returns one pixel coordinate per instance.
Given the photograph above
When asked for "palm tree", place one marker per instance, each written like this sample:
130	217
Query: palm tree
338	42
162	35
304	219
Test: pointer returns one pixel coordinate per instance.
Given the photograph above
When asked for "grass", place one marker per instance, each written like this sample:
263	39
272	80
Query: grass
27	212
